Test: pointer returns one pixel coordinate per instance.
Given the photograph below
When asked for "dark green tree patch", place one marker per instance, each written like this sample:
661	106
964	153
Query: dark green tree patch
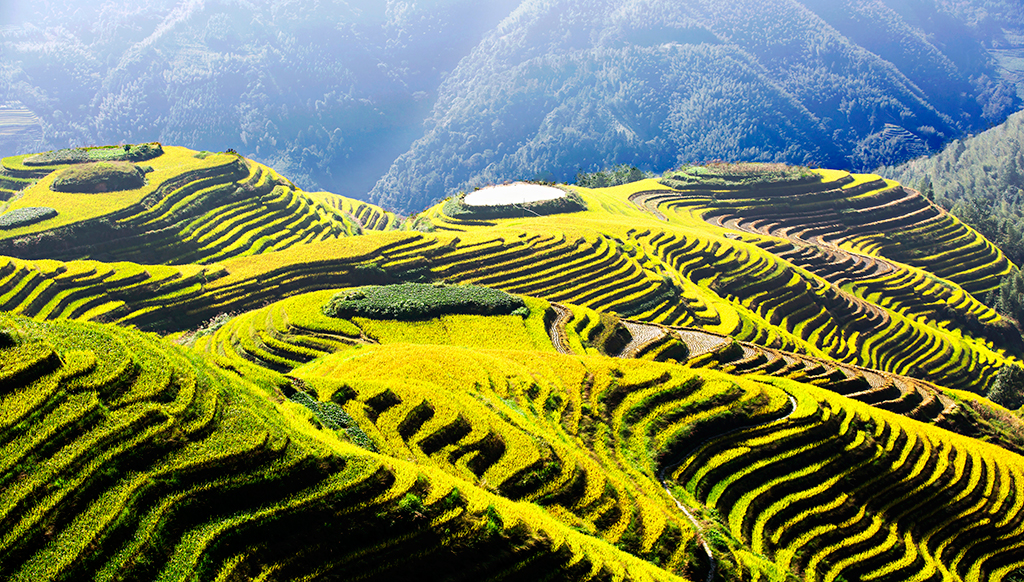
26	216
614	176
1008	389
411	301
738	175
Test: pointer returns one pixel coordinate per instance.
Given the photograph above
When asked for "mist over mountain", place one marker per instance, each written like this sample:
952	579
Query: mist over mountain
404	102
567	84
329	92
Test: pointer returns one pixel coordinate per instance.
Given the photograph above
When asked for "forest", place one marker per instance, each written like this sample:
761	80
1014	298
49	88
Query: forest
562	87
406	102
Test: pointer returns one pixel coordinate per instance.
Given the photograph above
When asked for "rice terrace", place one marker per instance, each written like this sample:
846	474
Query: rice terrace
749	372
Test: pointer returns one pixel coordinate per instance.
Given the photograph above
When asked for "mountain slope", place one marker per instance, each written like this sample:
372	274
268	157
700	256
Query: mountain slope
329	93
563	85
511	462
979	179
739	371
194	207
177	471
863	270
334	94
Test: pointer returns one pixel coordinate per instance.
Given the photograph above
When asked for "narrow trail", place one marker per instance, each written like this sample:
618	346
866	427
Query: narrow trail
712	563
557	329
643	335
640	200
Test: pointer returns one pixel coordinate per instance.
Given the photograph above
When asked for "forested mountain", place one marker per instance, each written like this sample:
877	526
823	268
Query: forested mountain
330	92
567	84
333	93
981	180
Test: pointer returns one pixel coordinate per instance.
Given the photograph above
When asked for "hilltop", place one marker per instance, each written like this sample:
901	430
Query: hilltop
733	371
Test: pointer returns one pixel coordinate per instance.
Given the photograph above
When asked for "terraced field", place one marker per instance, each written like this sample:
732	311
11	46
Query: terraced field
537	460
289	333
710	377
195	208
126	458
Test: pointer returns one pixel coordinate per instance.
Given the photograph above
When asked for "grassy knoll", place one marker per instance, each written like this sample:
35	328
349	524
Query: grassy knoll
99	177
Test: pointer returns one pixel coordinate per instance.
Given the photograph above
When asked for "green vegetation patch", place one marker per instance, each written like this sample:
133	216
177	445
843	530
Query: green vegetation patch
100	177
125	153
614	176
26	216
733	175
410	301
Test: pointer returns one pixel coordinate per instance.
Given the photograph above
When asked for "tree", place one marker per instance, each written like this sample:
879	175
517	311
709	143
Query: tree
1008	389
924	186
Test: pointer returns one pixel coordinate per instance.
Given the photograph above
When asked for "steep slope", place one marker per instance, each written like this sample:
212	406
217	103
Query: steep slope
979	179
481	462
289	333
563	85
738	372
124	458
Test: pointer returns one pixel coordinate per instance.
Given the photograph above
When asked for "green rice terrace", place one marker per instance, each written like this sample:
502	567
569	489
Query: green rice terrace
734	372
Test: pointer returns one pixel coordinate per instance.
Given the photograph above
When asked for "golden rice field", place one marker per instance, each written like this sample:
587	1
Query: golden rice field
774	380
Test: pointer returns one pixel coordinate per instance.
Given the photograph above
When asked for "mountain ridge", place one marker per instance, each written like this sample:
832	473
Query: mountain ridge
335	95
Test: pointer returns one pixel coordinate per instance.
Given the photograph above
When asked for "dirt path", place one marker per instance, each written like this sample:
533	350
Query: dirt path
557	329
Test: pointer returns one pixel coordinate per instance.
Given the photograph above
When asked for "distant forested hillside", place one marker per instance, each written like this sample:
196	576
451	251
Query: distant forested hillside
328	92
567	84
441	95
981	180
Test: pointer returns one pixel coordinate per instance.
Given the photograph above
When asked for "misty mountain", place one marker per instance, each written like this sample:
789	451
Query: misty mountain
442	95
562	85
327	92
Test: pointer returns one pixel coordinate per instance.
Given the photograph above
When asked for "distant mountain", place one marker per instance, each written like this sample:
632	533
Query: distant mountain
441	95
329	92
567	84
980	179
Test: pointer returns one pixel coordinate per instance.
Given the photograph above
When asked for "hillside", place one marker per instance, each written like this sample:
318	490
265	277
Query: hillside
736	372
979	179
425	97
328	92
564	85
